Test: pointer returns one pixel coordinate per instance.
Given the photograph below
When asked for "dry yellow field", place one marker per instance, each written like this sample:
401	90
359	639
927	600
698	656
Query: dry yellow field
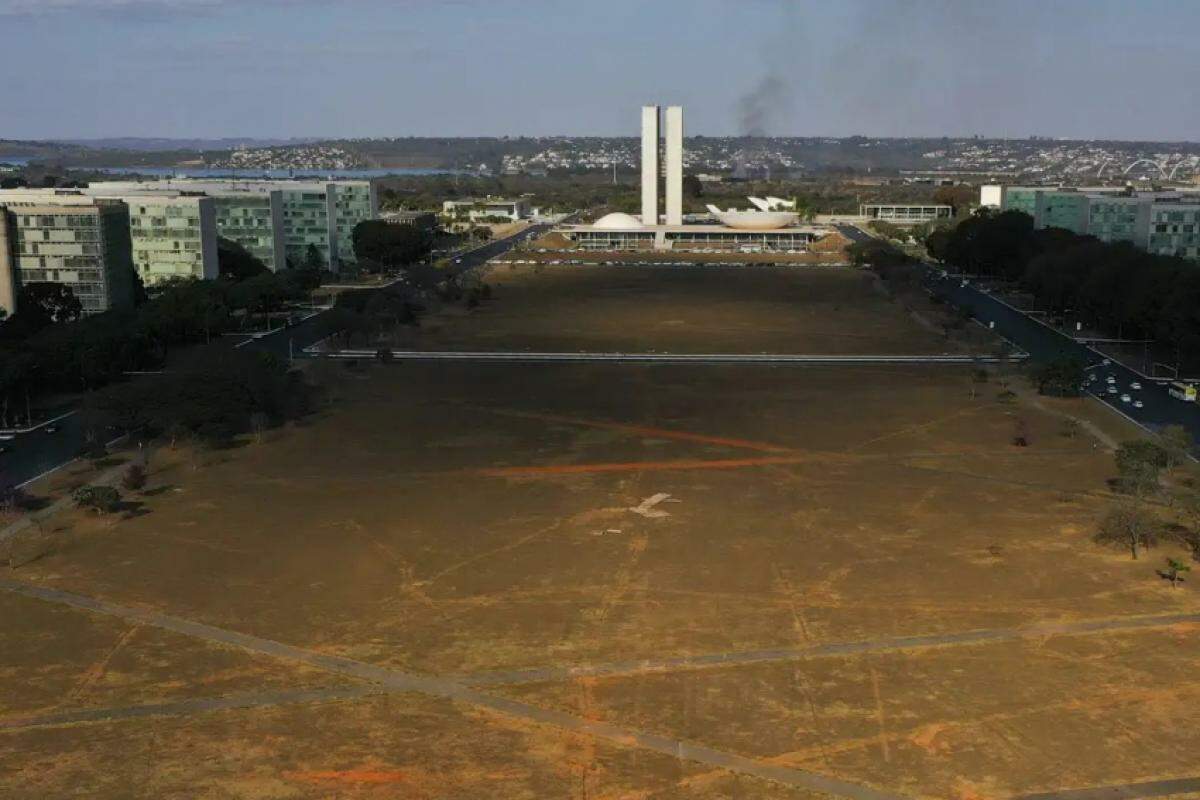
614	581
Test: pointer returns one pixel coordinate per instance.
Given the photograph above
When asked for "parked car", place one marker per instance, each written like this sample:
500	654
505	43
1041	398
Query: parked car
1126	398
1135	385
1110	379
1112	390
1138	404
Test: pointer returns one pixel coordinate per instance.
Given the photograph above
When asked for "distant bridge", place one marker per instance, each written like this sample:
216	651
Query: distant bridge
1167	170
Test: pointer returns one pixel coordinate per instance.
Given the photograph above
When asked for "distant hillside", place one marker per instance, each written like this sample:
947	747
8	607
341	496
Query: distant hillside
141	144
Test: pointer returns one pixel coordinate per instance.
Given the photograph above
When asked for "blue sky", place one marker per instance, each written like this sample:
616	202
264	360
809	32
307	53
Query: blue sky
346	68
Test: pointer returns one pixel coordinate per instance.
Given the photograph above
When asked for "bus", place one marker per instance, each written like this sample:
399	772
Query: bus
1182	391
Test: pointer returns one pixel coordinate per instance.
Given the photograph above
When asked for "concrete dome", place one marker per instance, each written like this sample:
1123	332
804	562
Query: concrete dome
617	221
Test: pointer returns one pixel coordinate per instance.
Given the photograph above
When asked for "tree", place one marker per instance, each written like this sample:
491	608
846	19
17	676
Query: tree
134	479
304	280
391	245
93	449
264	293
937	243
1174	572
1177	443
692	186
1128	526
236	263
888	230
1139	464
313	259
1071	428
1061	377
100	499
39	305
957	197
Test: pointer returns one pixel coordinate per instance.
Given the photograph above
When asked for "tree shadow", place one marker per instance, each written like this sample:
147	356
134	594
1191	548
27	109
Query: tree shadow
108	461
132	509
157	490
1166	576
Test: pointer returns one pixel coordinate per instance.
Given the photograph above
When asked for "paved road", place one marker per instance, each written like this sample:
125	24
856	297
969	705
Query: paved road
853	233
30	455
1045	343
397	681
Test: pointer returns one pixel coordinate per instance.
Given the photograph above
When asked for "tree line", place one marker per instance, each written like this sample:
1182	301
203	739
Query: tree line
48	347
1117	286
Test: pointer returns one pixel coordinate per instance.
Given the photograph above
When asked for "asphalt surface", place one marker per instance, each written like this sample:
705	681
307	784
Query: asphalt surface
27	456
1044	343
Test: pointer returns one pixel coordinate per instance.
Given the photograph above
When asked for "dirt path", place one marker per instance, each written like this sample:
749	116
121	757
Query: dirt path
396	681
189	706
1082	628
1087	425
1177	786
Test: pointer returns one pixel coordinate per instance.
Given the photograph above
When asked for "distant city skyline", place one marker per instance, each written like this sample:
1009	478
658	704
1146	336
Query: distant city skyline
1080	69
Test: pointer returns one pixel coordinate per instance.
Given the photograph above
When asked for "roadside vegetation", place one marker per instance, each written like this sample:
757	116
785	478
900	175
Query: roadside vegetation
47	347
1117	287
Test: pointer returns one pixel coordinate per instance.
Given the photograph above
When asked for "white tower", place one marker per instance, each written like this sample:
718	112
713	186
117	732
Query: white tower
673	132
649	165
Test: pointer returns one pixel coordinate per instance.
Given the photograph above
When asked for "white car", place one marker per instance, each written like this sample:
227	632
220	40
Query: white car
1135	385
1106	362
1138	404
1126	398
1112	390
1110	380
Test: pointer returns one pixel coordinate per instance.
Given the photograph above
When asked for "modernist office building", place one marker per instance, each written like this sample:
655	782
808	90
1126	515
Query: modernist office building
475	210
906	213
173	237
77	241
1164	223
255	221
292	220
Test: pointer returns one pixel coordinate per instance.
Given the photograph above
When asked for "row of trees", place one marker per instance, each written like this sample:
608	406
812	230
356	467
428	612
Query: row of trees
1116	285
366	315
210	398
47	347
387	246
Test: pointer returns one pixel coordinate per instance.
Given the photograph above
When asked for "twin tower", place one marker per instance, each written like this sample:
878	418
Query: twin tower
672	130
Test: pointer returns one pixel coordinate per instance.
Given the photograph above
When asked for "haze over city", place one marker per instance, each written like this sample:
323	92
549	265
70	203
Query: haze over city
212	68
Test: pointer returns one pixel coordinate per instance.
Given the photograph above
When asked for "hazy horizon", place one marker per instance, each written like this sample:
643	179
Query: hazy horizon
212	69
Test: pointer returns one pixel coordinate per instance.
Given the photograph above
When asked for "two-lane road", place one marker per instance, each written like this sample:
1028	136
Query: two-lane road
1044	343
